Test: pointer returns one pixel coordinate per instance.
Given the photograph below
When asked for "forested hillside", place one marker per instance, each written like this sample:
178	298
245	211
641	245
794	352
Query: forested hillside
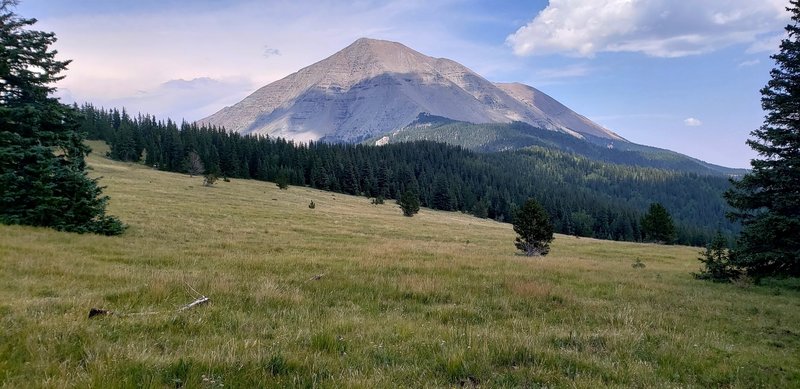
492	137
584	197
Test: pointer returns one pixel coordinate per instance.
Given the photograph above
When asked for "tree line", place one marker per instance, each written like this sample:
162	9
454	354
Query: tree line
584	197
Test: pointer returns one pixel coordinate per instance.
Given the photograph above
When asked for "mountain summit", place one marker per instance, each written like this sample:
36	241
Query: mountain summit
373	87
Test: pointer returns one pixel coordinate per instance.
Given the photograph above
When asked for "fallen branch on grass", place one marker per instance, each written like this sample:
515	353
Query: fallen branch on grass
200	300
104	312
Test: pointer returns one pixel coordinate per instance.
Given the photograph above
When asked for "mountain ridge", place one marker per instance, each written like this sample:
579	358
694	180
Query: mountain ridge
496	137
375	86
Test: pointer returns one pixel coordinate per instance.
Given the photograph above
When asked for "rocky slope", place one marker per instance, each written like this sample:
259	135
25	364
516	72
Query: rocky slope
373	87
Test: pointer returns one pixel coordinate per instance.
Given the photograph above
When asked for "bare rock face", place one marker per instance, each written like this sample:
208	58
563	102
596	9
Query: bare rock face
373	87
557	113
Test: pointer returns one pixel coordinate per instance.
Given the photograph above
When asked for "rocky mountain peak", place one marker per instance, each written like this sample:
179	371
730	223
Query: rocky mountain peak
373	87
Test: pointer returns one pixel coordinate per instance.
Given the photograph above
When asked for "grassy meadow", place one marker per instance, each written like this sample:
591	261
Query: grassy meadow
351	294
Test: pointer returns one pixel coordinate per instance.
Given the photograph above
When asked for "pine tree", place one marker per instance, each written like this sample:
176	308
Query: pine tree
767	200
282	181
409	203
657	225
716	261
532	224
42	155
442	199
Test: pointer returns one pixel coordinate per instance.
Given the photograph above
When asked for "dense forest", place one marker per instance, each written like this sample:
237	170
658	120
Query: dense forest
583	197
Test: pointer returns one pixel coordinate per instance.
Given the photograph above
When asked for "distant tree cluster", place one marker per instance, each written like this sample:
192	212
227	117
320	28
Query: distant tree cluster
582	197
43	181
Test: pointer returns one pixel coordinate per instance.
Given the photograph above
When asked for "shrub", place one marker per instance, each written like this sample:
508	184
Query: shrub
209	179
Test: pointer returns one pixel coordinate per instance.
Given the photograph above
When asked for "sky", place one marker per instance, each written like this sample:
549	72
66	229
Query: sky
680	75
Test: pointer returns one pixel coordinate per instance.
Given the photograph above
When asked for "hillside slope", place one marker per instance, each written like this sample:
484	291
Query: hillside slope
493	137
351	294
373	86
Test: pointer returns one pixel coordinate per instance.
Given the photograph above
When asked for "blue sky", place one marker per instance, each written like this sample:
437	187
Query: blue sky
682	75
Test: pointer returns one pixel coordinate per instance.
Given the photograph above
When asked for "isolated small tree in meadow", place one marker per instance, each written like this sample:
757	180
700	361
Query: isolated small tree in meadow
716	262
534	229
282	182
409	203
657	225
767	199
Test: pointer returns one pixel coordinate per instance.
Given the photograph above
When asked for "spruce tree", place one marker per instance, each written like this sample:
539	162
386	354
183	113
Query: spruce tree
767	199
409	203
532	224
716	261
42	155
282	181
657	225
442	199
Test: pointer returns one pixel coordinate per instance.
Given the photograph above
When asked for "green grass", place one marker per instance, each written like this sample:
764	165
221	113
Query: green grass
436	300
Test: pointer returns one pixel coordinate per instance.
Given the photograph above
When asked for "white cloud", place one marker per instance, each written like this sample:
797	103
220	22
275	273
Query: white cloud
692	122
749	63
659	28
767	44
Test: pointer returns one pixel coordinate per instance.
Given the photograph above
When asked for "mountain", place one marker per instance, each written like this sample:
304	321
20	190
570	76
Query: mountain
556	112
373	87
493	137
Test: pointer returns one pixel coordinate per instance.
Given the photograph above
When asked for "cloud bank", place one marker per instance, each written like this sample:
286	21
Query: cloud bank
657	28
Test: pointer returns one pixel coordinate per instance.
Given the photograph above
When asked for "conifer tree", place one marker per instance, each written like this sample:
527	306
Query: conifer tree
767	200
42	168
657	225
409	203
532	224
716	261
442	199
282	181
